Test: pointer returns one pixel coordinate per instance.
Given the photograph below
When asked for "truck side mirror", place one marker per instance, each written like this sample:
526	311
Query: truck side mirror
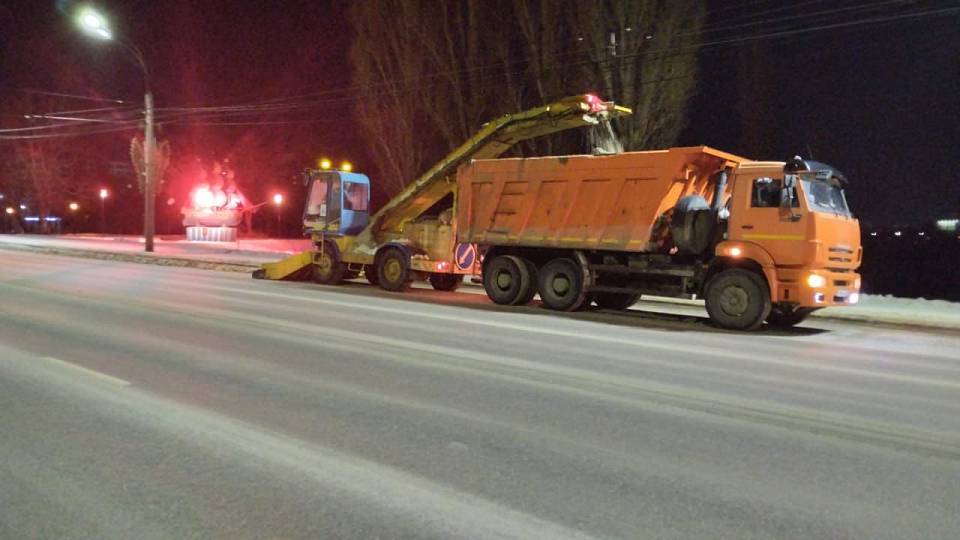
305	177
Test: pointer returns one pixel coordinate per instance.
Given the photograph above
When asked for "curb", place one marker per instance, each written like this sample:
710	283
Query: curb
139	258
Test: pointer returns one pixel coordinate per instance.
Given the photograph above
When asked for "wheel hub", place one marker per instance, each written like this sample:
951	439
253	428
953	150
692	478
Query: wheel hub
560	284
392	270
504	280
325	263
734	301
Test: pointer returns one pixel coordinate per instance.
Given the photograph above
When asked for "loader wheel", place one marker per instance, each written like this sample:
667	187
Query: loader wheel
787	316
561	285
617	301
507	280
370	272
327	268
393	270
738	299
446	282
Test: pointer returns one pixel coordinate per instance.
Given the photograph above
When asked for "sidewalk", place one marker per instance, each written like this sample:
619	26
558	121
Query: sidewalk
248	254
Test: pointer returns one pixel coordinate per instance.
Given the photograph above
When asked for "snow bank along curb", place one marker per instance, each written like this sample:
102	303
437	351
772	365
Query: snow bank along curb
140	258
877	309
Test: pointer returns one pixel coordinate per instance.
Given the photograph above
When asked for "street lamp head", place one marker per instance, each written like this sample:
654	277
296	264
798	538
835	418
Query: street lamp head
10	210
74	206
103	193
277	199
94	23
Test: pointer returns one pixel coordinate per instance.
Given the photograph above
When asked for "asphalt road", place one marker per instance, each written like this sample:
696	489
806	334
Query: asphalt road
140	401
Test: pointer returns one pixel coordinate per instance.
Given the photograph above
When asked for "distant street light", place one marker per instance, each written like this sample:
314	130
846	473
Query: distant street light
278	201
96	25
74	207
103	211
10	210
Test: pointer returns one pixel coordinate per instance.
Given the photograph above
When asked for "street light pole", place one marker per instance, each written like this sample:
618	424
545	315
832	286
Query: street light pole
149	199
96	25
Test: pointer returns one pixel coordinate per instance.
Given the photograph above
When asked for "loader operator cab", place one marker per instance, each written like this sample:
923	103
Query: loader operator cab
338	202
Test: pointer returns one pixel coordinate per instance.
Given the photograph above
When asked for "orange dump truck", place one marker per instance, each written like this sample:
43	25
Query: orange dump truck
758	240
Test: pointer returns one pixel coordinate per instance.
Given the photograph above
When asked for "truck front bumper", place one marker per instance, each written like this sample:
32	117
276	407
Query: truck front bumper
820	288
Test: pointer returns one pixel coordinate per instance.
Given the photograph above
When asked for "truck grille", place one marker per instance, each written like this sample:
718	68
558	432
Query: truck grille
840	254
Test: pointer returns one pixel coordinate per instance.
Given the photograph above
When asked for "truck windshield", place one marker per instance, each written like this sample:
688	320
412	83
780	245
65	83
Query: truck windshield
825	196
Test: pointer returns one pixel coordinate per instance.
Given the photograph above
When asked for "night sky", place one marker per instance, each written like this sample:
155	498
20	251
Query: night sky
880	102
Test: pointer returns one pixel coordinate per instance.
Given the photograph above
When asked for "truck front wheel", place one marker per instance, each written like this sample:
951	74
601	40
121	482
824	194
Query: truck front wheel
561	285
507	280
738	299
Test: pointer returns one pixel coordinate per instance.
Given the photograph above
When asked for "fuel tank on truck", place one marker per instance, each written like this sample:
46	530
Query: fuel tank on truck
609	202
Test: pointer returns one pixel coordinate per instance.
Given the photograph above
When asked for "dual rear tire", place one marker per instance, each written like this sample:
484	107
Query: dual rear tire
510	280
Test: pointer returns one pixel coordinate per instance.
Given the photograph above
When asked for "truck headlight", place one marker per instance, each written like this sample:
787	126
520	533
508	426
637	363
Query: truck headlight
816	281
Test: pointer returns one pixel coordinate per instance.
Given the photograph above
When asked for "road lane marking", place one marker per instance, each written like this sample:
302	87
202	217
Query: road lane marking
86	371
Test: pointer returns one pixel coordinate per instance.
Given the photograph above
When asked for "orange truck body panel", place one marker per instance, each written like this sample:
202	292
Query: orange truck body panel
588	202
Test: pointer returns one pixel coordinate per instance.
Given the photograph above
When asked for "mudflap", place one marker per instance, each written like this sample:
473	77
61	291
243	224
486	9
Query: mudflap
294	268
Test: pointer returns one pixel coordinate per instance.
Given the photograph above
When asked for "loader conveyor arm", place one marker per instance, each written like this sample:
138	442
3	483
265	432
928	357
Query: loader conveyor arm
495	138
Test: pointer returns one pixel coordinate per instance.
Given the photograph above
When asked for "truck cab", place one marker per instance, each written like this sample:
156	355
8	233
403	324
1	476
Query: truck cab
793	220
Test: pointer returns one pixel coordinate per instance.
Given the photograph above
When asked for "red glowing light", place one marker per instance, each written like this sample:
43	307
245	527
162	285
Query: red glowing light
203	198
594	101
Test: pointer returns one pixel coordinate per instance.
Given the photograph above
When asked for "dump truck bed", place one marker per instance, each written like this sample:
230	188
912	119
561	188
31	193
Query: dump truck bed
591	202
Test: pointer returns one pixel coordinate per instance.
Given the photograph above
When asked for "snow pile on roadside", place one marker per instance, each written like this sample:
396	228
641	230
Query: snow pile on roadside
890	309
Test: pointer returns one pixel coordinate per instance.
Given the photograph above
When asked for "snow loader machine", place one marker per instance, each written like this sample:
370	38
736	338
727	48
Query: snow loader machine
414	236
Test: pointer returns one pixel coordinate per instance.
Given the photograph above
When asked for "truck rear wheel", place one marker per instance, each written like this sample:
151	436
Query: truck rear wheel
531	290
327	267
446	282
506	279
393	270
618	301
738	299
786	316
561	285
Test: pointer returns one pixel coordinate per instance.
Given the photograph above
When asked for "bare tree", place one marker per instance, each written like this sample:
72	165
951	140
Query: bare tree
430	73
644	55
388	62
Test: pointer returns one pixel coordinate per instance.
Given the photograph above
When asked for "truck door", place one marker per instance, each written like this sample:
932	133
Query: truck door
764	214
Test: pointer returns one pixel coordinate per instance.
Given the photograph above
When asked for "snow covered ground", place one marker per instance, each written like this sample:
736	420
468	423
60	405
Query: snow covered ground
889	309
872	308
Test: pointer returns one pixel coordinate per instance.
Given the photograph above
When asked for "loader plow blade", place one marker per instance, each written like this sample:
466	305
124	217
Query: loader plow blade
294	268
